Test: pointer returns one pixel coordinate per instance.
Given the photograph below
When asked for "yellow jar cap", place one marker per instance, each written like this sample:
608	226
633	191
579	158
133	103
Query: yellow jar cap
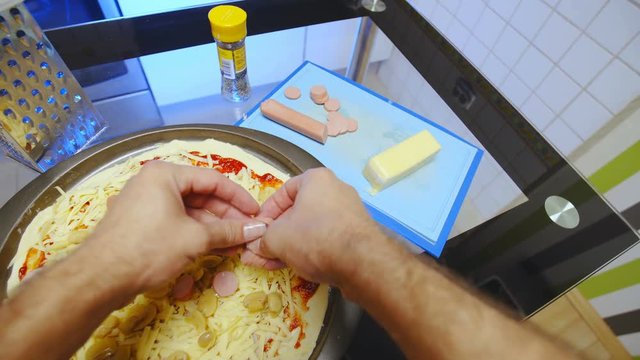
228	23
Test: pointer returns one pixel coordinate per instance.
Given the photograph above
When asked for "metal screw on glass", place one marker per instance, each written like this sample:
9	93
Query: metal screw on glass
562	212
374	5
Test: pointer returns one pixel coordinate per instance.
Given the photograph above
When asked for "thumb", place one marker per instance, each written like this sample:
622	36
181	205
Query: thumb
228	233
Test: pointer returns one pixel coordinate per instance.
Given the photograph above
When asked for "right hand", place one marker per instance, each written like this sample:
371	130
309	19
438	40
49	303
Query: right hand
318	222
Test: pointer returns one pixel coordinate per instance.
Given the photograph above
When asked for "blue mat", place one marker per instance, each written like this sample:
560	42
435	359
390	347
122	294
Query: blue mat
423	206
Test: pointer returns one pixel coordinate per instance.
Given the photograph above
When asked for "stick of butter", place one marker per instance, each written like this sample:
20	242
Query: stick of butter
400	160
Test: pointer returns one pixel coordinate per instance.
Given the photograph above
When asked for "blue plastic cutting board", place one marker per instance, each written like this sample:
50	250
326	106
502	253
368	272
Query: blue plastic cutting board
421	207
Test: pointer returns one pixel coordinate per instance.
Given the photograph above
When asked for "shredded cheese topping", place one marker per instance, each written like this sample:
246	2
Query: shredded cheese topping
154	325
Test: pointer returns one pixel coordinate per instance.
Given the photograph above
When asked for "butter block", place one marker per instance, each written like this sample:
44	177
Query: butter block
400	160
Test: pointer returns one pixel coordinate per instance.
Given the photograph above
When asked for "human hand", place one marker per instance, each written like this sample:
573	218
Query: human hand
318	221
166	216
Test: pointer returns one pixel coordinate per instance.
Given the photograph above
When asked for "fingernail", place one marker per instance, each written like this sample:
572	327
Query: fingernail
254	230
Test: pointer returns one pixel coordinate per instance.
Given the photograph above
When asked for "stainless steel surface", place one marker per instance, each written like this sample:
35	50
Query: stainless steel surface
357	67
342	316
44	109
374	5
562	212
129	113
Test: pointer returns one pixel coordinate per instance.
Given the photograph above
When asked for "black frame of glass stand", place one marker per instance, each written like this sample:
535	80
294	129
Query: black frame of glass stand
521	256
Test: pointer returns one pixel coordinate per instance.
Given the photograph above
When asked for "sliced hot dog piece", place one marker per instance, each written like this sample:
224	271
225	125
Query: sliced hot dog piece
332	105
292	93
319	94
225	283
294	120
333	124
352	125
183	289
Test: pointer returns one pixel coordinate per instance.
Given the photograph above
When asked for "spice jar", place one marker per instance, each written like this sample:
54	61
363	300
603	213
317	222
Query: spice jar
229	29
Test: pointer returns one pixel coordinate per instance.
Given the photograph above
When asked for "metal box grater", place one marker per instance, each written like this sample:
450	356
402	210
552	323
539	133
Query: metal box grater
46	116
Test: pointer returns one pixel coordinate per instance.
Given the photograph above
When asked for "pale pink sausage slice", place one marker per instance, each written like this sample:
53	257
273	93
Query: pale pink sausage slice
225	283
294	120
332	105
352	125
333	127
333	124
292	93
319	94
183	289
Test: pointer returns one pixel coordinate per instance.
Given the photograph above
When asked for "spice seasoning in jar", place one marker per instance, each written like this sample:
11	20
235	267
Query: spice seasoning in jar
229	29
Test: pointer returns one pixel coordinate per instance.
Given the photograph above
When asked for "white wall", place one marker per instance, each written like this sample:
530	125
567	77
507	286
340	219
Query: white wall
568	65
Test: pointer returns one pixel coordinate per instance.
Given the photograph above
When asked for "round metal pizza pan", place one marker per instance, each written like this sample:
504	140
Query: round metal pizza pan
342	316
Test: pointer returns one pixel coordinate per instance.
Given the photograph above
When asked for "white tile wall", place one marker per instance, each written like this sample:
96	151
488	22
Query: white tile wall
585	115
580	59
574	62
533	67
537	112
555	37
441	17
529	17
489	27
510	46
495	69
615	25
458	34
451	5
551	2
469	12
560	135
517	90
557	90
616	86
631	55
503	8
580	12
475	51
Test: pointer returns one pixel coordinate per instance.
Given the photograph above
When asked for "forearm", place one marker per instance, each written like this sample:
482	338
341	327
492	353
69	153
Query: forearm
54	313
430	316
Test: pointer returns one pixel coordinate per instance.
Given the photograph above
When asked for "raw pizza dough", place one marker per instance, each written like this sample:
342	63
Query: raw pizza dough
169	325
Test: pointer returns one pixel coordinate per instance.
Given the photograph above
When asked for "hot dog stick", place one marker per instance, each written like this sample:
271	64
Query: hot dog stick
294	120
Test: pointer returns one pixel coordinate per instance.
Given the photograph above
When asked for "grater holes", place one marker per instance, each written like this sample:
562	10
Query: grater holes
27	121
13	65
18	85
40	111
27	56
23	103
4	93
51	100
49	84
45	66
36	94
8	113
32	75
41	48
8	46
3	25
23	38
56	118
44	128
17	15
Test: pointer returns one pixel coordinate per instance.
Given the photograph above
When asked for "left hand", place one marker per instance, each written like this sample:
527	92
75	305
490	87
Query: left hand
165	217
